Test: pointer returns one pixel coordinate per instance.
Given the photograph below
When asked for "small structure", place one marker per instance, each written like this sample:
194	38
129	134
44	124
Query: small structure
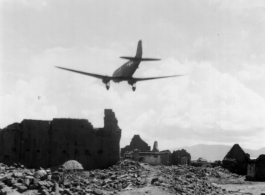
139	150
180	157
256	169
236	160
72	165
155	147
136	143
202	160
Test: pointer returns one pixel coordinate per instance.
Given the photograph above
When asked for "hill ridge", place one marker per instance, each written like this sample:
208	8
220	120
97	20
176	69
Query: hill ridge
212	152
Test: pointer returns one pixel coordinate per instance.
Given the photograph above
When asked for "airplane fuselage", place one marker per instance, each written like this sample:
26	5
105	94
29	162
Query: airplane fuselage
126	70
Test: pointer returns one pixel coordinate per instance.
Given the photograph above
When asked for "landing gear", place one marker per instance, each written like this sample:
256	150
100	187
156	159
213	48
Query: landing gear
106	82
134	87
107	86
133	84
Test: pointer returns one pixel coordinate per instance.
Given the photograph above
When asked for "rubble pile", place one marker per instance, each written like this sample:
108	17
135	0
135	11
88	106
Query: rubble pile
190	180
124	175
221	171
19	179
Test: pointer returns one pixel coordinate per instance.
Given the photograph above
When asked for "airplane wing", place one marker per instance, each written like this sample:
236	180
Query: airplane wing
87	73
151	78
120	78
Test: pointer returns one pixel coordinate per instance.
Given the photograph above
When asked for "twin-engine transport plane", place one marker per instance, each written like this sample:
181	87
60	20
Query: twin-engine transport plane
126	71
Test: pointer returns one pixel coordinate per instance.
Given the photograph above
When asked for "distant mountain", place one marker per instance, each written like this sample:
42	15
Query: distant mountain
215	152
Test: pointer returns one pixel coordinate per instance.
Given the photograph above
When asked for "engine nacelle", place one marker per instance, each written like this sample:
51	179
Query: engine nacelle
131	82
105	80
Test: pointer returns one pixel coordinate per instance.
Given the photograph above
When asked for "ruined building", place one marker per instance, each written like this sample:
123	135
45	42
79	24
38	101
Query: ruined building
236	160
180	157
256	169
136	143
36	143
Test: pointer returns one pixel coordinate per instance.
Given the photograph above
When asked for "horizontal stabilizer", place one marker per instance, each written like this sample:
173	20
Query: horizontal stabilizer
139	59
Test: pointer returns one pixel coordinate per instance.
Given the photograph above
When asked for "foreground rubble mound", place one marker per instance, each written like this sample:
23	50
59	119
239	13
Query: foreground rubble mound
192	180
126	177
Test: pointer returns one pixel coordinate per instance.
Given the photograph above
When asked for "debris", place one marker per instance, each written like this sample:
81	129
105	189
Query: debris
125	175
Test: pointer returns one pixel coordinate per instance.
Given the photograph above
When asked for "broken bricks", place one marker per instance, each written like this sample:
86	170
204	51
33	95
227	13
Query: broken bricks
125	175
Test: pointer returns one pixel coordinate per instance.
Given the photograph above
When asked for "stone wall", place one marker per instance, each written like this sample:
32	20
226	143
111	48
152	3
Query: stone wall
155	147
136	143
251	170
37	143
152	158
256	169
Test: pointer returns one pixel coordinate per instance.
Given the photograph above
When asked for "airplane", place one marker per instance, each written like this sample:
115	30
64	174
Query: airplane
125	72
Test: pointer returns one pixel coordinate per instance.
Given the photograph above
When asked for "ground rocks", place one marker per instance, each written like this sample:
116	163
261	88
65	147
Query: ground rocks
40	174
125	175
189	180
20	179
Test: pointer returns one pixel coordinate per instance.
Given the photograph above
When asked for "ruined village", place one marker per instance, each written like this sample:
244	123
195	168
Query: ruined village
132	97
70	157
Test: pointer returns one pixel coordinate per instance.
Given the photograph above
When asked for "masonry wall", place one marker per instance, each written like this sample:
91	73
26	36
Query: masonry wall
37	143
256	169
180	157
236	160
154	158
251	171
260	168
10	139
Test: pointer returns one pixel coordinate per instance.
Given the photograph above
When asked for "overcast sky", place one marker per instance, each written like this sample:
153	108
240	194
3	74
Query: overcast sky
220	45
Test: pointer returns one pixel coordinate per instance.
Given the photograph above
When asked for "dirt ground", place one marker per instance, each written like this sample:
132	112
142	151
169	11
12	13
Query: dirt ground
239	185
254	188
149	189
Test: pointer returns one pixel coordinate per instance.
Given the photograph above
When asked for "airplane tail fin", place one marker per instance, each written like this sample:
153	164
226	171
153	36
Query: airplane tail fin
139	50
138	56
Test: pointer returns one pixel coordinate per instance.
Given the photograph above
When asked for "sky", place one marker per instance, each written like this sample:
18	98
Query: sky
218	44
